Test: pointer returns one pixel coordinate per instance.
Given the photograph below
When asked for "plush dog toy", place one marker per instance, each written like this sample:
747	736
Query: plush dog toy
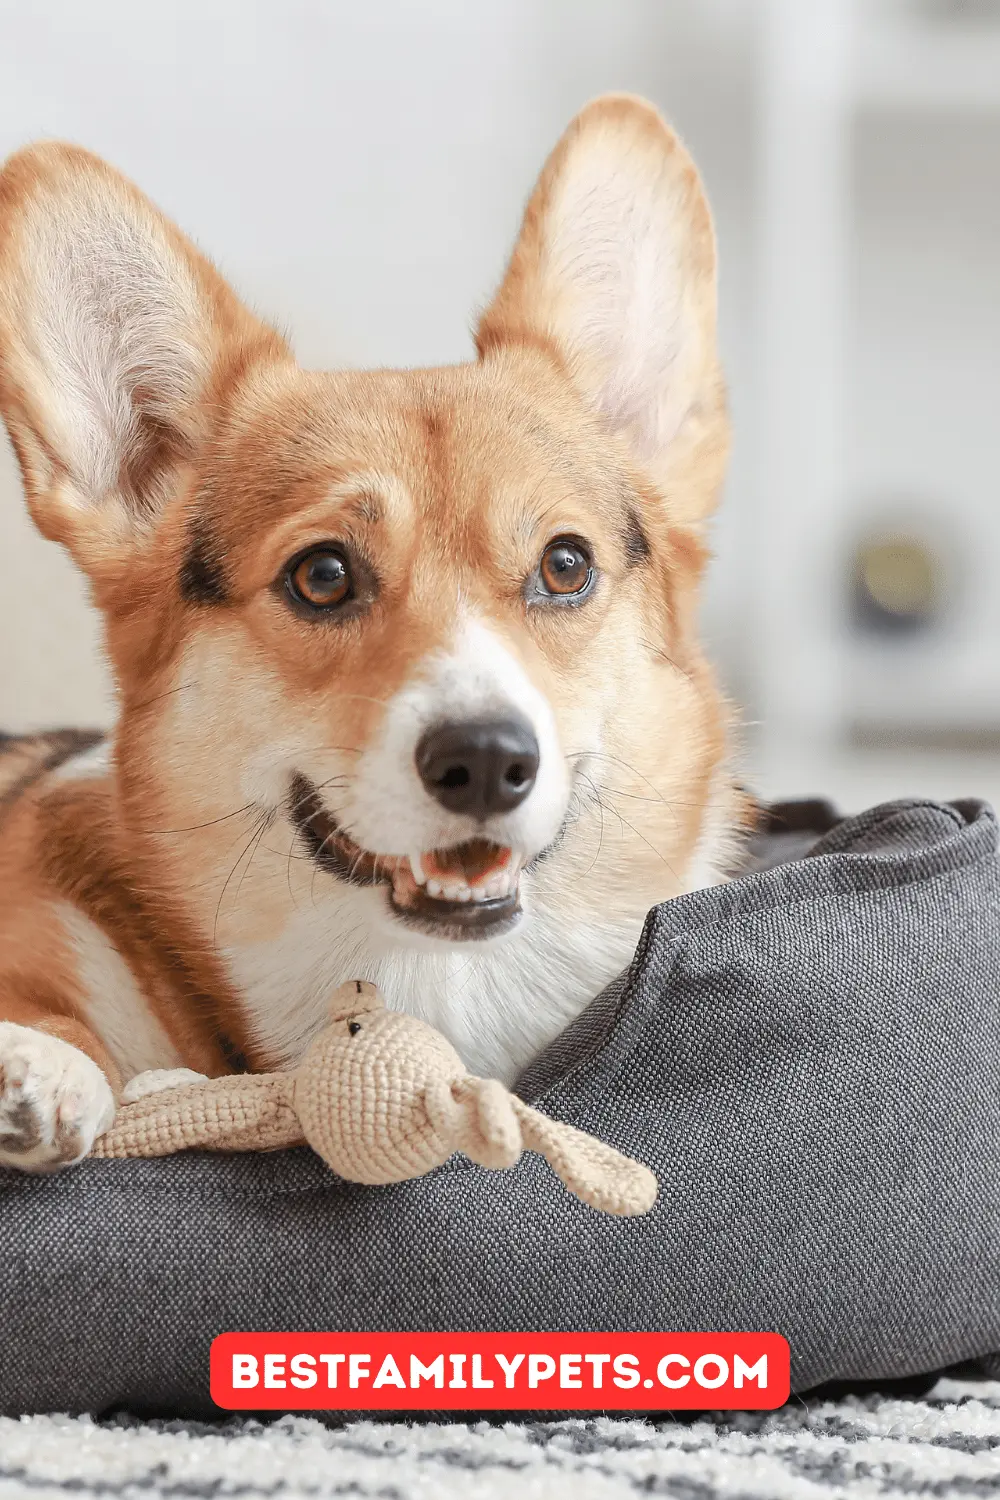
381	1097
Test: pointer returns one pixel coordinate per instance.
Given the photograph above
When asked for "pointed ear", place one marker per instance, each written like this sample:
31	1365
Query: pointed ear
116	335
614	275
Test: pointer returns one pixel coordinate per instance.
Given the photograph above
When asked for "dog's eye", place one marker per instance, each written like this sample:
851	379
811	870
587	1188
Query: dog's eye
565	568
322	579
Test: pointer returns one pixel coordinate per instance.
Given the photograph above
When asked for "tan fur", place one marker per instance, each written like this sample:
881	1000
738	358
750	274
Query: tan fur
450	481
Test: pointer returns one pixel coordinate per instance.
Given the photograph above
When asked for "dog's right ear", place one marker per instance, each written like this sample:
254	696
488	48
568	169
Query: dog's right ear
117	340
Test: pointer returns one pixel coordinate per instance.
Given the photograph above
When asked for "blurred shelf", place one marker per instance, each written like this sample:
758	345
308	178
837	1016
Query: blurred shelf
824	64
920	65
854	779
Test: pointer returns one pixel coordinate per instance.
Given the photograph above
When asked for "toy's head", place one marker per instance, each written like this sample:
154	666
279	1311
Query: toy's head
383	1097
361	1091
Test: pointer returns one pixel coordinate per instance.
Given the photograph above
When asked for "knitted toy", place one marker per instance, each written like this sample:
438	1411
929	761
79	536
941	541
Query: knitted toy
382	1097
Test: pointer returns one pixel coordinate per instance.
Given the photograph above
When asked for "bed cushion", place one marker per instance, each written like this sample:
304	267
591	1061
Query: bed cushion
808	1058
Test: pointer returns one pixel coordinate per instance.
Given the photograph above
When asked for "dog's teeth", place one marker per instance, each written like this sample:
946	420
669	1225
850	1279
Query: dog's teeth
499	882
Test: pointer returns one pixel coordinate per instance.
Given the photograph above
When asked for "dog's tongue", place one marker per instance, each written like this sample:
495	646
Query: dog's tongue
471	862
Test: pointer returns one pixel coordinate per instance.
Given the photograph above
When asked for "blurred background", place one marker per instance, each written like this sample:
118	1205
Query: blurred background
358	172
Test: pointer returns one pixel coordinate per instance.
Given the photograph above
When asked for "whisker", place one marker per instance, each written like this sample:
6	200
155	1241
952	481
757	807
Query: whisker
316	858
288	869
603	755
293	805
247	806
600	804
652	847
138	708
624	822
194	827
472	964
662	654
325	745
264	827
258	828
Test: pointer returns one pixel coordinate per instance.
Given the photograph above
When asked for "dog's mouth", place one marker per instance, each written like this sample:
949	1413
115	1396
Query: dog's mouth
469	890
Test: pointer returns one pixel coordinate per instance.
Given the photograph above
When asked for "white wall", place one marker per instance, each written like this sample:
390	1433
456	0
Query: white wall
358	171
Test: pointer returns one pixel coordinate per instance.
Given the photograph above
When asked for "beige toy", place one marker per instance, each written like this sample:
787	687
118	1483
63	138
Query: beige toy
381	1097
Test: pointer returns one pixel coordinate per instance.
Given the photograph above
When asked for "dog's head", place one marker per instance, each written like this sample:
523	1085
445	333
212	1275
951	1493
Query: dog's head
437	624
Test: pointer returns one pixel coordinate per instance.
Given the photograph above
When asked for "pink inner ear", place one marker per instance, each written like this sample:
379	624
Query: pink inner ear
354	998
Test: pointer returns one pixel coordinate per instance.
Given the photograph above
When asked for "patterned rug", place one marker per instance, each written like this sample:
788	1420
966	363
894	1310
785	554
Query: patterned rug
947	1444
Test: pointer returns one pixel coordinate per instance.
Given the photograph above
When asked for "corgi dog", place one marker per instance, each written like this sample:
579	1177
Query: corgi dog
408	673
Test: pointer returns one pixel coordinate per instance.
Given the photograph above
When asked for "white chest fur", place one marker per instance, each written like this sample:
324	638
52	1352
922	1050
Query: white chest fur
499	1005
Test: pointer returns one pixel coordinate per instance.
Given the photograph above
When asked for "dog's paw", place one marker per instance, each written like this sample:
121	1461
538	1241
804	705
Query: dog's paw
54	1101
156	1080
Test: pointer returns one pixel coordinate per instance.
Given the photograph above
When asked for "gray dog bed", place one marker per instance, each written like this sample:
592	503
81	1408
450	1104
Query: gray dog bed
808	1058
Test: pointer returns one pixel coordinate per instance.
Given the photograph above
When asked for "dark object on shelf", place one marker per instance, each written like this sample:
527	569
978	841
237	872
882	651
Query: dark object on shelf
896	583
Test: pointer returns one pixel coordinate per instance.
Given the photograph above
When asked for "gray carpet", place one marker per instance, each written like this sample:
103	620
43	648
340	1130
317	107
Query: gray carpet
947	1444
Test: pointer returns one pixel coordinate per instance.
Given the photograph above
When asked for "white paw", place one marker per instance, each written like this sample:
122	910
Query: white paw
155	1080
54	1101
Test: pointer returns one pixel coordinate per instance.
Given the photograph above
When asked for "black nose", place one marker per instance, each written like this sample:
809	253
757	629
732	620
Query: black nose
480	768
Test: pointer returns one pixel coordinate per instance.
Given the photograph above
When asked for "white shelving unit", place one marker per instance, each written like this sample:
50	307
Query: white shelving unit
824	63
905	61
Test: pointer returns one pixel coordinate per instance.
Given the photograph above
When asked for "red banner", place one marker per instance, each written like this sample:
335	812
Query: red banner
499	1371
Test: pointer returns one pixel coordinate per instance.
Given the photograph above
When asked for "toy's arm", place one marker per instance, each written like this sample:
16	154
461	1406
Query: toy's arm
155	1080
597	1173
248	1112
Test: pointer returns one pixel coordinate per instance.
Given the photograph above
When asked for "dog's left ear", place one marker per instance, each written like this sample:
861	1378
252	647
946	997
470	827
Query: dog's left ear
613	274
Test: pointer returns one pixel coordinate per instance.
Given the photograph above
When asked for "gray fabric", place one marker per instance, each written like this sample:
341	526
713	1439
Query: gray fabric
809	1058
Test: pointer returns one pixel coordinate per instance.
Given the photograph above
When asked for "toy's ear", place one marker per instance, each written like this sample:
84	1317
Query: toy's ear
118	342
490	1132
596	1173
356	997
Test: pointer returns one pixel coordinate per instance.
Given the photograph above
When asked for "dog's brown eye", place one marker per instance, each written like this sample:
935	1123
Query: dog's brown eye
565	568
321	578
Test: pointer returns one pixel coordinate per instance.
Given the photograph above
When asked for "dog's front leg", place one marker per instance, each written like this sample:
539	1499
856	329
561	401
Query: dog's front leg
57	1088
